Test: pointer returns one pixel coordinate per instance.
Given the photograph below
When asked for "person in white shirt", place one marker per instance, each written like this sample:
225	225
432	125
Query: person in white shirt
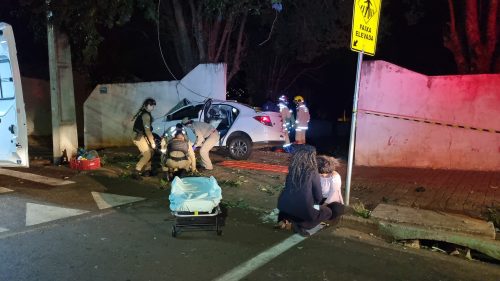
330	184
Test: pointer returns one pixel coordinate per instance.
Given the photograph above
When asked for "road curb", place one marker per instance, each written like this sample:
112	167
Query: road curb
397	231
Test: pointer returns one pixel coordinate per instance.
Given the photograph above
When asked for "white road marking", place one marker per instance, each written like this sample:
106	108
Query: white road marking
3	229
249	266
108	200
5	190
34	177
36	213
54	225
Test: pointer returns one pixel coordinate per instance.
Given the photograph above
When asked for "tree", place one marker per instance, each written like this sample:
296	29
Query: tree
305	35
209	31
473	35
82	21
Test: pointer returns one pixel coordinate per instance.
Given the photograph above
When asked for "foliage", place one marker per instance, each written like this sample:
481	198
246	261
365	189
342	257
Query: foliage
493	215
360	210
208	31
304	34
240	203
82	21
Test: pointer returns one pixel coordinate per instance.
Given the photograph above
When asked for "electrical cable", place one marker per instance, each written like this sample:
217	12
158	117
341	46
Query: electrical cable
271	31
159	42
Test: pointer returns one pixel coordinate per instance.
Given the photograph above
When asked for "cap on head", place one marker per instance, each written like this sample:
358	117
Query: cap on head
149	101
298	99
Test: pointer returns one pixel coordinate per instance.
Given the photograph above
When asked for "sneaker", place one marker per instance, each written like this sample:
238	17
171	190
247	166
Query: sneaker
284	225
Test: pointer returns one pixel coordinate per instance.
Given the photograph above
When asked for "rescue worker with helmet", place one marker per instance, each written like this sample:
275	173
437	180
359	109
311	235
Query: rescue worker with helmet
144	139
286	116
177	152
301	121
206	138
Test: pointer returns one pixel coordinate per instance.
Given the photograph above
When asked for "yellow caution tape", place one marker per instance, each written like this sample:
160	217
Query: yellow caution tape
414	119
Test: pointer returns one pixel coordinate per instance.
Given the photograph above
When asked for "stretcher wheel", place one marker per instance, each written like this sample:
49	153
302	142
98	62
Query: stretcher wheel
174	231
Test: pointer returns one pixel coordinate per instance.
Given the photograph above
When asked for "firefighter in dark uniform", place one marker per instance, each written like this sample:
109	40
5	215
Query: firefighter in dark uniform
144	139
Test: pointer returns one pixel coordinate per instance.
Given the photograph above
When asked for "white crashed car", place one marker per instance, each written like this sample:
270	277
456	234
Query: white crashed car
241	127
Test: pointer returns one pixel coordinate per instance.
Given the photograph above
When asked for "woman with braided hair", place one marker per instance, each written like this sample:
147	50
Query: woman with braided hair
144	139
299	202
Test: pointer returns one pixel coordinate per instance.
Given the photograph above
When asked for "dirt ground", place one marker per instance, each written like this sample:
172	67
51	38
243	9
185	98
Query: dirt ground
240	188
461	192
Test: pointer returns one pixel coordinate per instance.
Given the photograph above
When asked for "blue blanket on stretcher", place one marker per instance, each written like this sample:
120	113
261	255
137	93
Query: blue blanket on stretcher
194	194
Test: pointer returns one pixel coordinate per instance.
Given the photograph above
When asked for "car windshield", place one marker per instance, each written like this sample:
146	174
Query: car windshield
190	111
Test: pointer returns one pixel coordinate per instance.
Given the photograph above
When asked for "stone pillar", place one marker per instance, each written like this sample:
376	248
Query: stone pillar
64	131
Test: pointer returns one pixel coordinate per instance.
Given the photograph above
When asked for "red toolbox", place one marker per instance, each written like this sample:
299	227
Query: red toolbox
85	164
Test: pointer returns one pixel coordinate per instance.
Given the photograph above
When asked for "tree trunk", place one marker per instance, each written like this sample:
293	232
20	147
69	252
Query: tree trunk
185	53
478	54
198	29
240	48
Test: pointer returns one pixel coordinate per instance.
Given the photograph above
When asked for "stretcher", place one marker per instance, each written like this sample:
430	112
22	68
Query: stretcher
194	202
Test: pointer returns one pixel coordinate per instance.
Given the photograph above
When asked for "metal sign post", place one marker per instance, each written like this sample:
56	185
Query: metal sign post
353	130
365	19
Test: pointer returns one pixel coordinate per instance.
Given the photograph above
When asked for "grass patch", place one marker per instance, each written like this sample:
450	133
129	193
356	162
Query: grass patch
230	183
360	210
271	189
240	203
493	215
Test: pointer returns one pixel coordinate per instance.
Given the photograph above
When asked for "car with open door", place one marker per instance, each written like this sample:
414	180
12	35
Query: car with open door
14	134
241	127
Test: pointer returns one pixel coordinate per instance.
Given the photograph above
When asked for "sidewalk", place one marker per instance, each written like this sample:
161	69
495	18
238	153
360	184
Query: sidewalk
469	193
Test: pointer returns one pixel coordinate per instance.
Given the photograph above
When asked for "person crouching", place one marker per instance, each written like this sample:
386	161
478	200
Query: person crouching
178	153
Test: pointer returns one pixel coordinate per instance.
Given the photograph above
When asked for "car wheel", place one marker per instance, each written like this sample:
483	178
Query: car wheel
240	147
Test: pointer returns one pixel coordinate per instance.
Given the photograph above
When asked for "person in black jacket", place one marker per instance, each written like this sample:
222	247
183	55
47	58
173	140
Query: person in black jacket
144	139
299	202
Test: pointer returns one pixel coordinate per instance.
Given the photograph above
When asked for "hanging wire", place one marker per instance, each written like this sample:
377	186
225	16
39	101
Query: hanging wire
272	27
159	42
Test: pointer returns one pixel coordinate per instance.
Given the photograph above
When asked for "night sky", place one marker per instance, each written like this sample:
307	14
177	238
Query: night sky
418	47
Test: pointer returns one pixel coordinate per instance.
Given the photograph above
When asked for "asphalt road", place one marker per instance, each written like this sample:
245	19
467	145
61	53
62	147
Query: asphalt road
133	242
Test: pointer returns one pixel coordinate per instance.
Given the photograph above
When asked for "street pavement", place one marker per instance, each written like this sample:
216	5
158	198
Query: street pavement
112	228
133	242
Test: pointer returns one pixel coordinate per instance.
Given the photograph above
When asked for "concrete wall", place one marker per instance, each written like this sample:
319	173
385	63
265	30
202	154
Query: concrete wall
109	109
397	93
36	94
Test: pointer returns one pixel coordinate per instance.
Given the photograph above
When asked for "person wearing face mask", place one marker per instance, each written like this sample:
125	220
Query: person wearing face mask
144	139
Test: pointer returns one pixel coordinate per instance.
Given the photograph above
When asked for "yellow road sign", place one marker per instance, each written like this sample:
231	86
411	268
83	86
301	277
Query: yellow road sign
366	14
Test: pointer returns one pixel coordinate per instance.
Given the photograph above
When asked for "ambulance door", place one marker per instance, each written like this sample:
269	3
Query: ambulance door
13	130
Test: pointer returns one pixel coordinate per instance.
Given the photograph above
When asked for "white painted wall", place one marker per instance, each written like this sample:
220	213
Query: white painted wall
467	100
109	109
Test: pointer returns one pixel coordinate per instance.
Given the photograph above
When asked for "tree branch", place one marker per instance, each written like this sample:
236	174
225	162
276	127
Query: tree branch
239	47
224	40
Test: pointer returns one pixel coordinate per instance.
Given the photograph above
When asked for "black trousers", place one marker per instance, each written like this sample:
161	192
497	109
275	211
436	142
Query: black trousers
337	209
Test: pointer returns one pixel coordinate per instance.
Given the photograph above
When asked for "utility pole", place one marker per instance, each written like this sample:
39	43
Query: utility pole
62	98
